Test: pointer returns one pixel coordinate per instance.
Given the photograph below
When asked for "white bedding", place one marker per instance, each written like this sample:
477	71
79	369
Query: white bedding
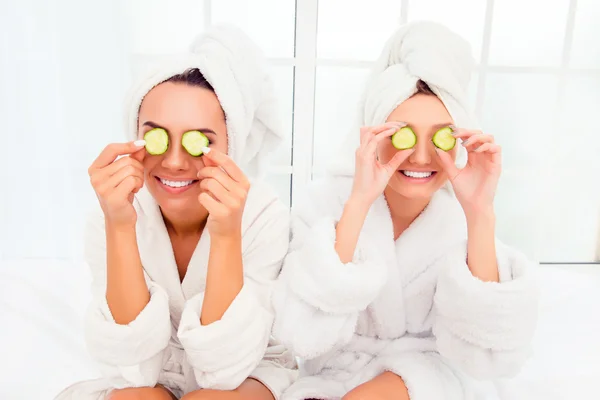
42	303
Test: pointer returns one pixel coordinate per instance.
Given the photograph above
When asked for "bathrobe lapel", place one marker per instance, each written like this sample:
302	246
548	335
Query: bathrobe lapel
158	259
439	227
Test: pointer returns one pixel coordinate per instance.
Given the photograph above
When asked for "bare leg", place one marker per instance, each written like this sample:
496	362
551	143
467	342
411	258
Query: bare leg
387	386
250	389
156	393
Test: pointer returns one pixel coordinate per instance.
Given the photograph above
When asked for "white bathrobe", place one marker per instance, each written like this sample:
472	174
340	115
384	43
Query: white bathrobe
411	306
166	344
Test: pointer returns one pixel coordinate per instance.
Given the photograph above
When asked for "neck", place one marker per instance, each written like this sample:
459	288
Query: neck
184	224
403	210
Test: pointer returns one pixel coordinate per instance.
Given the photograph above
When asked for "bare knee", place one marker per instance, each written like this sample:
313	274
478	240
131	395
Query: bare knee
358	393
383	387
208	394
140	394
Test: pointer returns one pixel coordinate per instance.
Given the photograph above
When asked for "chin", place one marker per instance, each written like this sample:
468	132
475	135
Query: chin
415	191
174	204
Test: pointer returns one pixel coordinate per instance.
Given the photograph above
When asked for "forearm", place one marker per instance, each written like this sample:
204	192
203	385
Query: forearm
481	246
348	229
224	279
126	292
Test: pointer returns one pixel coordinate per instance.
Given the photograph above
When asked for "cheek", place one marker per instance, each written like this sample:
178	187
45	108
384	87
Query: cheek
222	147
199	163
150	163
221	144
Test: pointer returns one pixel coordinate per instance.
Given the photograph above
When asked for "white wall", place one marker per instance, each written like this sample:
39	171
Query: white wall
537	88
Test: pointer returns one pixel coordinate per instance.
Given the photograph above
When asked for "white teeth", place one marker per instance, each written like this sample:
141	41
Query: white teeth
415	174
175	184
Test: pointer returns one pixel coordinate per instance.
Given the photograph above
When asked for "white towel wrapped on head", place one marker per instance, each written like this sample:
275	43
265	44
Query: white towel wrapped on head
237	70
420	50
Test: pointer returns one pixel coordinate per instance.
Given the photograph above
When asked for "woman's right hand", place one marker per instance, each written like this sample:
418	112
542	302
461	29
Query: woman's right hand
371	176
116	182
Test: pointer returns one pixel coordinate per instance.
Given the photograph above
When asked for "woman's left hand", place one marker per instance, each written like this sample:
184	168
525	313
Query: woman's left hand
225	188
475	184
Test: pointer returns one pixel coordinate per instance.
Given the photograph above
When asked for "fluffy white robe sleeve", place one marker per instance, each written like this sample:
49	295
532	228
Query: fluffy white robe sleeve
128	355
318	298
226	352
486	328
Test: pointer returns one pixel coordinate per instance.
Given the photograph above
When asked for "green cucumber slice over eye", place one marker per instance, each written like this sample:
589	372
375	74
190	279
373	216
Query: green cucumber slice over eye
443	139
193	142
404	139
157	141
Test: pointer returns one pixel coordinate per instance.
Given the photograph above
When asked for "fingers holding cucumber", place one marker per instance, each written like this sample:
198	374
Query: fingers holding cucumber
116	175
371	176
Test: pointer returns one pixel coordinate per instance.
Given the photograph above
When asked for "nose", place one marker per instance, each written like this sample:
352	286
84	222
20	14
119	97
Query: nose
422	153
175	158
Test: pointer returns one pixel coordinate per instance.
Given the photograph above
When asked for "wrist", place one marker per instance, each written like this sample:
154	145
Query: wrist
480	219
119	227
358	204
228	239
480	213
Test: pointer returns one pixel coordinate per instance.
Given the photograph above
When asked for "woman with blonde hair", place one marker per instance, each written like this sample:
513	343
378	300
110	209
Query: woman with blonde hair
395	286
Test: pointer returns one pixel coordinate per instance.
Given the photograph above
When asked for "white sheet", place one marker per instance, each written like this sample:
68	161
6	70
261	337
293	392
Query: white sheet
42	303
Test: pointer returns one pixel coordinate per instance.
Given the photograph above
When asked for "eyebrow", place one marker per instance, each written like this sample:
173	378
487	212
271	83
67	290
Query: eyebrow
154	125
442	125
435	127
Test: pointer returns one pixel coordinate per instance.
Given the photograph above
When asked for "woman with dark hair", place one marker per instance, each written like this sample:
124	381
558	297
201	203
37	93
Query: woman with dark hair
187	241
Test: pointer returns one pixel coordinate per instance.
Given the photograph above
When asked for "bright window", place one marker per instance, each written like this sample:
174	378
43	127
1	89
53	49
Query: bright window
536	88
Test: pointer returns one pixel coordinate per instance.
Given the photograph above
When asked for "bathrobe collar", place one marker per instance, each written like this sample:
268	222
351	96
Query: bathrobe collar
438	229
158	259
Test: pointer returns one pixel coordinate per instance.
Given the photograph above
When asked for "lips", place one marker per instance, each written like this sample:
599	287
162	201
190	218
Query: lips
176	184
418	174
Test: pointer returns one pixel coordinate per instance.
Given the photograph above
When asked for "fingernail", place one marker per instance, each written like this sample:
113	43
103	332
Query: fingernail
205	150
139	143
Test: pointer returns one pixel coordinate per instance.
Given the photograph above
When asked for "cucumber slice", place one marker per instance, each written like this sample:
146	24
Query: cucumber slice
194	141
443	139
404	139
157	141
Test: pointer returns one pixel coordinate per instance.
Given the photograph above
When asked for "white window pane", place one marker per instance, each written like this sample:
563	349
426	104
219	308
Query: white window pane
283	78
465	17
270	23
337	93
142	63
282	184
571	224
472	90
355	30
519	222
157	26
577	137
585	52
519	109
528	32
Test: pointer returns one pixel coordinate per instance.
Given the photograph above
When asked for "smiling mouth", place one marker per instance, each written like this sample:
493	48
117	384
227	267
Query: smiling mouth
418	174
176	184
